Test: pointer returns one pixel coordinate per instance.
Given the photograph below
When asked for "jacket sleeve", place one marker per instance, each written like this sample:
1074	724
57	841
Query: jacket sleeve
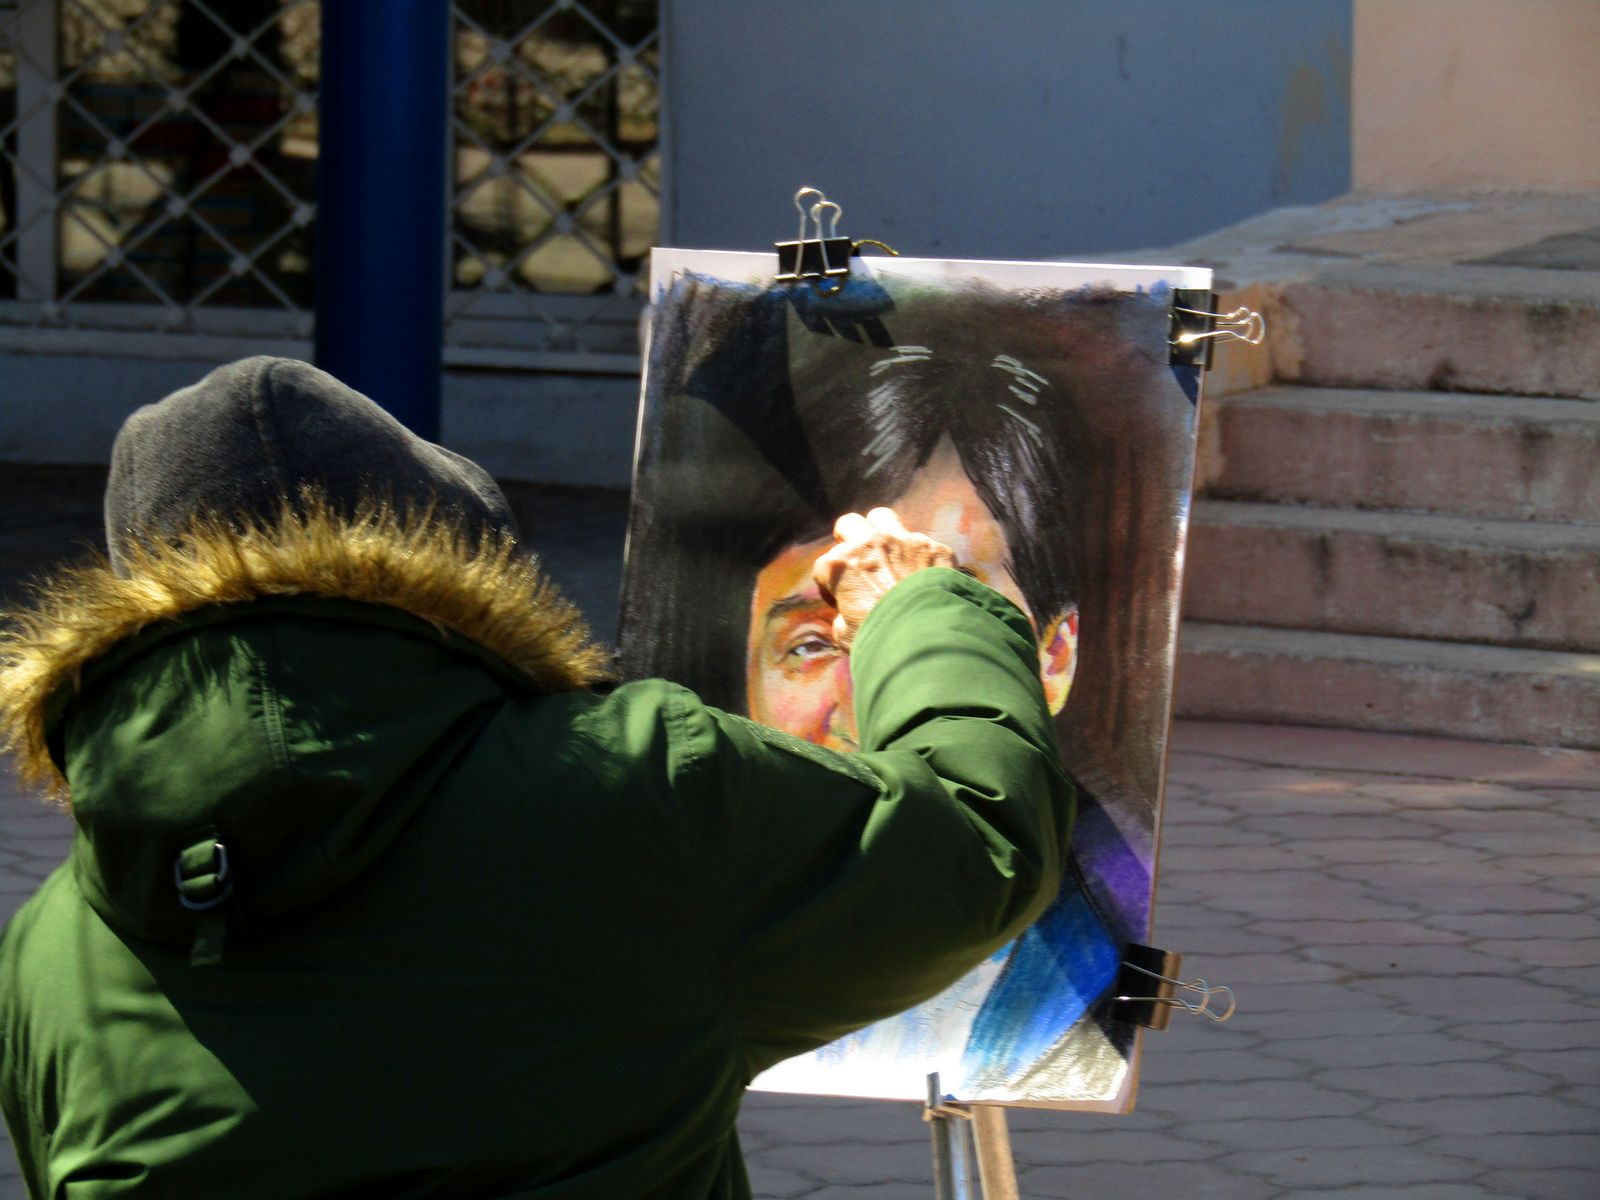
849	887
19	1104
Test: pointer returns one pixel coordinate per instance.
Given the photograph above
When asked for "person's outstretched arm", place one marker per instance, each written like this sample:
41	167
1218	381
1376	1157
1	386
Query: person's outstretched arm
849	887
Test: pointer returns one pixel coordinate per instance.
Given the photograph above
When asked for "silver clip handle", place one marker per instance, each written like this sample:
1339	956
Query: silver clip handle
831	230
1242	324
800	198
1201	1007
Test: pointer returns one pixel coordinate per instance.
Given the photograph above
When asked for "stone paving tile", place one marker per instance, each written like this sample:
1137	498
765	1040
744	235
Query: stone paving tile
1433	877
1425	1191
1295	1133
1587	887
1326	932
1513	841
1245	969
1409	926
1586	980
1189	1180
1233	943
1228	1064
1478	1115
1223	835
1581	1066
1455	797
1535	820
1300	827
768	1180
1579	1034
1054	1147
1333	851
1361	959
1577	803
856	1163
1370	1049
1494	926
1526	1150
1237	858
1479	998
1351	1024
1566	1183
1299	1170
1407	1081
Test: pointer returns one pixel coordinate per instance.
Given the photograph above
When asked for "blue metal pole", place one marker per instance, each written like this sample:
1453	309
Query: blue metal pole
381	202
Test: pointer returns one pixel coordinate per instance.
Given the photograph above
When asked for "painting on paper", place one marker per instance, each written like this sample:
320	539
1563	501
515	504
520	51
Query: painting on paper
1026	414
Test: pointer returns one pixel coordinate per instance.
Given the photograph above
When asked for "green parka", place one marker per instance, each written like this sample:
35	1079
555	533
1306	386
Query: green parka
484	931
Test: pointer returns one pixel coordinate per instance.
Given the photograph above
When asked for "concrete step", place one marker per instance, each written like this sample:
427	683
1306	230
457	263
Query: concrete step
1412	575
1513	457
1239	673
1455	328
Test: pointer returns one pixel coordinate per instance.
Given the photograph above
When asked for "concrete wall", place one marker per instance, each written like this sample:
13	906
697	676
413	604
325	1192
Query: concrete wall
1006	129
1476	94
571	429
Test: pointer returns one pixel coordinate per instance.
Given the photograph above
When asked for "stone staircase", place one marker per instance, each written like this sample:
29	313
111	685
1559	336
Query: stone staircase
1399	529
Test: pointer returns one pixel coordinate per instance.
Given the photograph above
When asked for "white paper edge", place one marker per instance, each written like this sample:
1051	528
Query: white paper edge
743	266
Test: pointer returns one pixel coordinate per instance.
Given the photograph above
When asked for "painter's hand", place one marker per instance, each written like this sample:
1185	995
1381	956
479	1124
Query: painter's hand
874	553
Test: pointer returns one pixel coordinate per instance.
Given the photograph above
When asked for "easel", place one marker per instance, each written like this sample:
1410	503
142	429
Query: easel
971	1149
971	1144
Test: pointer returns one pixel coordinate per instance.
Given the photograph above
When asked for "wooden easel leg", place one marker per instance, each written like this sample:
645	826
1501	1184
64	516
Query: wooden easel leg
944	1171
996	1168
966	1169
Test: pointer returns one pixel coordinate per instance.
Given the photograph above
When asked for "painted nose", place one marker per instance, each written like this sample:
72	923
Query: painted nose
842	720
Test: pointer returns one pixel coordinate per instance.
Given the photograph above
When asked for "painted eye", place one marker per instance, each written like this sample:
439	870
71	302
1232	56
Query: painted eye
808	646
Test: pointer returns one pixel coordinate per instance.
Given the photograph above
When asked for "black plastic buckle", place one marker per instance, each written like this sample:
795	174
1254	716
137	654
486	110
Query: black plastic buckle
220	875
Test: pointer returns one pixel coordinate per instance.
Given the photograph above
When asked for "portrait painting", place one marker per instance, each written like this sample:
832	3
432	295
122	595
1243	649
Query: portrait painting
1027	415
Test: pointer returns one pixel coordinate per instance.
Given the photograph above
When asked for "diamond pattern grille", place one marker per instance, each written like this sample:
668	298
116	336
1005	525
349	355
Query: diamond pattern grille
157	167
8	183
182	151
557	171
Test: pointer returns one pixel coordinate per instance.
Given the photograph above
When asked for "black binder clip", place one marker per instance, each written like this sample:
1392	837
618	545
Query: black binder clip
1195	327
1148	989
826	254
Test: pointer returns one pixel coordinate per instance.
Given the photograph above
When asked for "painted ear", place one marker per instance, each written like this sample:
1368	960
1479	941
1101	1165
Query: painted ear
1058	658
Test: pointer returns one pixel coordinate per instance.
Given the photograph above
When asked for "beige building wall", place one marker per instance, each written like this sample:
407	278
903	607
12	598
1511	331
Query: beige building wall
1476	94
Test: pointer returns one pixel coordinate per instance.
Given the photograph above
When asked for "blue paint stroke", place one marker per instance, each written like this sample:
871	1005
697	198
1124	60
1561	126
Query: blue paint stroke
1060	966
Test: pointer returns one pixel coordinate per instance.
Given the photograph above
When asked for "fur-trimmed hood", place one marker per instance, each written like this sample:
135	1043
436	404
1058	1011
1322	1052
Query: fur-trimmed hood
296	684
486	591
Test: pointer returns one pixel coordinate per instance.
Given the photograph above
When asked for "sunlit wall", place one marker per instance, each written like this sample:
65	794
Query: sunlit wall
1002	128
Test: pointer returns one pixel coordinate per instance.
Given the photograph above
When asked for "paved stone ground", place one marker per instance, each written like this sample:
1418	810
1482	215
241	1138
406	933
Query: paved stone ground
1409	924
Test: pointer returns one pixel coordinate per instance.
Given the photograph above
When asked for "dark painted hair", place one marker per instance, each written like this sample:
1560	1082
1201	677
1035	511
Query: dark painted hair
770	412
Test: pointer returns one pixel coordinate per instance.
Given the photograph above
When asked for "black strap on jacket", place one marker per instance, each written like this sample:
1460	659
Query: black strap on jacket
204	882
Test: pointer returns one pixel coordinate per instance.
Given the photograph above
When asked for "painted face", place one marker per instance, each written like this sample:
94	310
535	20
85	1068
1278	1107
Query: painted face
796	678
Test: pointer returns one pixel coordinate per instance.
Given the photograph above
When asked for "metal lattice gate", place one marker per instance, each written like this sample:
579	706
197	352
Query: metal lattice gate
157	172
